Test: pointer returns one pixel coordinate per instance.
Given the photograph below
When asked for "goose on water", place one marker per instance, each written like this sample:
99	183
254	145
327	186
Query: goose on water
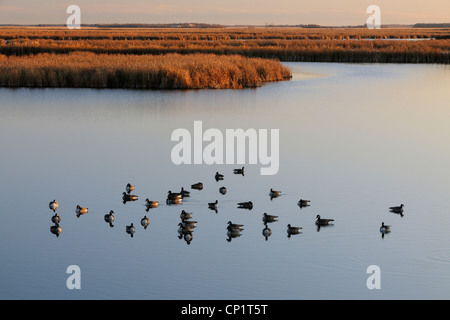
80	210
323	222
129	188
235	226
53	205
269	218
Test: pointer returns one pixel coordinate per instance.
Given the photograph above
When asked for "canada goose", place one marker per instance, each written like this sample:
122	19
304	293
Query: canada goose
151	204
109	218
223	190
56	218
239	171
197	186
267	232
235	226
293	230
185	193
129	188
219	176
56	229
245	205
323	222
233	233
213	205
183	229
81	210
303	203
189	223
129	197
173	195
185	215
130	229
145	221
274	193
53	205
269	218
188	236
398	209
384	228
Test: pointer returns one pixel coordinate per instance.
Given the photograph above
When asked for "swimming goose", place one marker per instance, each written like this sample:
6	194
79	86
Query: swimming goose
55	229
185	215
245	205
129	197
182	229
151	204
274	193
213	205
80	210
269	218
56	218
197	186
189	223
323	222
145	221
293	230
219	176
233	233
384	228
185	193
239	171
398	209
235	226
109	218
223	190
174	198
303	203
267	232
130	229
53	205
129	188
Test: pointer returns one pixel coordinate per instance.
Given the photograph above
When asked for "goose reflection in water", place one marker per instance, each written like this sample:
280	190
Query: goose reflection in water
185	232
267	232
130	230
55	229
109	218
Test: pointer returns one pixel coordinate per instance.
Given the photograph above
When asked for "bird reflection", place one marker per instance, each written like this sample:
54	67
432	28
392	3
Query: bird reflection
109	218
56	218
53	205
186	232
129	188
55	229
188	236
145	221
223	190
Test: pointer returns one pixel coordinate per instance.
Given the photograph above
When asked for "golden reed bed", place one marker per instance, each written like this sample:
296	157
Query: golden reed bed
171	71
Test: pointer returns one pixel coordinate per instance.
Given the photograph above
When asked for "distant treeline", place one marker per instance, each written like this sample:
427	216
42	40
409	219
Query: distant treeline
431	25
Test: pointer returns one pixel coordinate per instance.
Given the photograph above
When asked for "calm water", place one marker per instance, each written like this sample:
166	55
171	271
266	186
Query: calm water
354	139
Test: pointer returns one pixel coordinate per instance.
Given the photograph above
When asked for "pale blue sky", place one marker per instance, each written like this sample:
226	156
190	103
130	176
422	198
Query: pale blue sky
229	12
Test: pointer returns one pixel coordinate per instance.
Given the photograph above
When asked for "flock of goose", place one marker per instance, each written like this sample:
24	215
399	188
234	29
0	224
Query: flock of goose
186	225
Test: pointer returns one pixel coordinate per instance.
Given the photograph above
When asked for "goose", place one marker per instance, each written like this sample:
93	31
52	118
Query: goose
129	197
145	221
245	205
223	190
130	229
184	193
183	229
398	209
56	218
269	218
173	195
185	215
53	205
384	228
239	171
274	193
56	229
219	176
235	226
267	232
188	236
323	222
197	186
109	218
151	204
189	223
129	188
293	230
303	203
213	205
81	210
233	233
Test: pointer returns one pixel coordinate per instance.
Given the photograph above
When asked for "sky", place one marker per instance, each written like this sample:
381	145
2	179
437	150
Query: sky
226	12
